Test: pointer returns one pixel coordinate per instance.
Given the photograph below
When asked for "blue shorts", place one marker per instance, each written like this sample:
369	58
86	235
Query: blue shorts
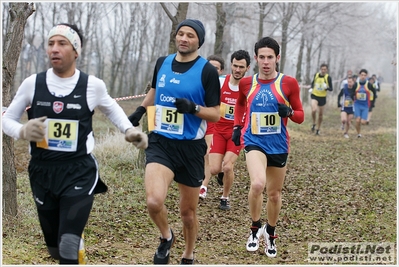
361	111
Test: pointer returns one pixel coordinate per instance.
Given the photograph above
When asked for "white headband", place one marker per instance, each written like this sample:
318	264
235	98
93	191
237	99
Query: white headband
68	33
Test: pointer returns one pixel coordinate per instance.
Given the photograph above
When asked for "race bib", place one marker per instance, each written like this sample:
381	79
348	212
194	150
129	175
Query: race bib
61	135
265	123
320	87
168	120
361	96
348	103
226	111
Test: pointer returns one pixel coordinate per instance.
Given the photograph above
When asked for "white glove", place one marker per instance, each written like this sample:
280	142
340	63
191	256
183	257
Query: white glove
139	139
33	130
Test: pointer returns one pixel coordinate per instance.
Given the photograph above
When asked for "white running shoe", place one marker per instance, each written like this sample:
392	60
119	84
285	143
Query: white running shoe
346	135
271	248
253	239
202	193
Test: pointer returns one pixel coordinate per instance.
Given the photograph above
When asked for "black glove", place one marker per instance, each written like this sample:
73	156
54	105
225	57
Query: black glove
339	105
135	117
184	105
284	111
236	138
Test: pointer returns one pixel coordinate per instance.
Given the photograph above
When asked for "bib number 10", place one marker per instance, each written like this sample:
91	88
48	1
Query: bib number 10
265	123
268	120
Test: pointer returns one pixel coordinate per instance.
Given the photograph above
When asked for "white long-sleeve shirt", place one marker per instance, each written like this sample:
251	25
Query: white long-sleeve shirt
97	96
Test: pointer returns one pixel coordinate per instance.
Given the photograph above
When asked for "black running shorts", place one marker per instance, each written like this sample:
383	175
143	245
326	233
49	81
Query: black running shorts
184	157
321	101
63	179
273	160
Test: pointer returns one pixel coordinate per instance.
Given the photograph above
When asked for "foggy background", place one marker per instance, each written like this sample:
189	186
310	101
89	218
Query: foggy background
122	40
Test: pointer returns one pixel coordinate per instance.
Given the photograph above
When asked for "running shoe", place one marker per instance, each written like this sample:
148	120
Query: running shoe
317	132
270	249
224	204
202	193
220	178
253	239
186	261
162	254
313	127
359	136
346	135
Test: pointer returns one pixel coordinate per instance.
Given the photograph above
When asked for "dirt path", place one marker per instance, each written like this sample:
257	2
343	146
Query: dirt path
336	190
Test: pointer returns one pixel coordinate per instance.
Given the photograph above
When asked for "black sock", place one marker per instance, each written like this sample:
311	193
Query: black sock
257	224
270	229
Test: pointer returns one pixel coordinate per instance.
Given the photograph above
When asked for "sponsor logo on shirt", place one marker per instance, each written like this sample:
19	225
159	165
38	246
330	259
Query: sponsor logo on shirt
165	98
73	106
44	104
175	81
58	107
161	82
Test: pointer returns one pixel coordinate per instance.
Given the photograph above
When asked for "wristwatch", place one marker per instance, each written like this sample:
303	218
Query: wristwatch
292	113
197	108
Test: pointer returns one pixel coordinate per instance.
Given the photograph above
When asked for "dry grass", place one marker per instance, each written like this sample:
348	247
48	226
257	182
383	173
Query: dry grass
336	190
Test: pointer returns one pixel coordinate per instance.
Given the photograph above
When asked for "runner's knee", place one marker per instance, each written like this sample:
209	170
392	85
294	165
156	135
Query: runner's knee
227	167
257	187
274	197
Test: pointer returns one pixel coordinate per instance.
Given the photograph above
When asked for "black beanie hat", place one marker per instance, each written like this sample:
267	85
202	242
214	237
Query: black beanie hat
197	26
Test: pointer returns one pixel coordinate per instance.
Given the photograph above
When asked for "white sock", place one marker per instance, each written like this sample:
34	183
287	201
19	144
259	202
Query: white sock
170	238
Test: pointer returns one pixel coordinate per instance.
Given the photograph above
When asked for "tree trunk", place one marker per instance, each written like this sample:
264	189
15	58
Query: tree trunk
262	16
287	14
309	51
298	75
18	15
220	25
181	14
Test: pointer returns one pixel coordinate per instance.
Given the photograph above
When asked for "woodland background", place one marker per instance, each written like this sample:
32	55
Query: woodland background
336	189
124	39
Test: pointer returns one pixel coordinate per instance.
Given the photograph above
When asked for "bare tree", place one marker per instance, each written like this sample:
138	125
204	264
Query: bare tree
287	12
147	46
120	41
90	17
263	13
220	25
18	15
307	19
181	14
312	34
